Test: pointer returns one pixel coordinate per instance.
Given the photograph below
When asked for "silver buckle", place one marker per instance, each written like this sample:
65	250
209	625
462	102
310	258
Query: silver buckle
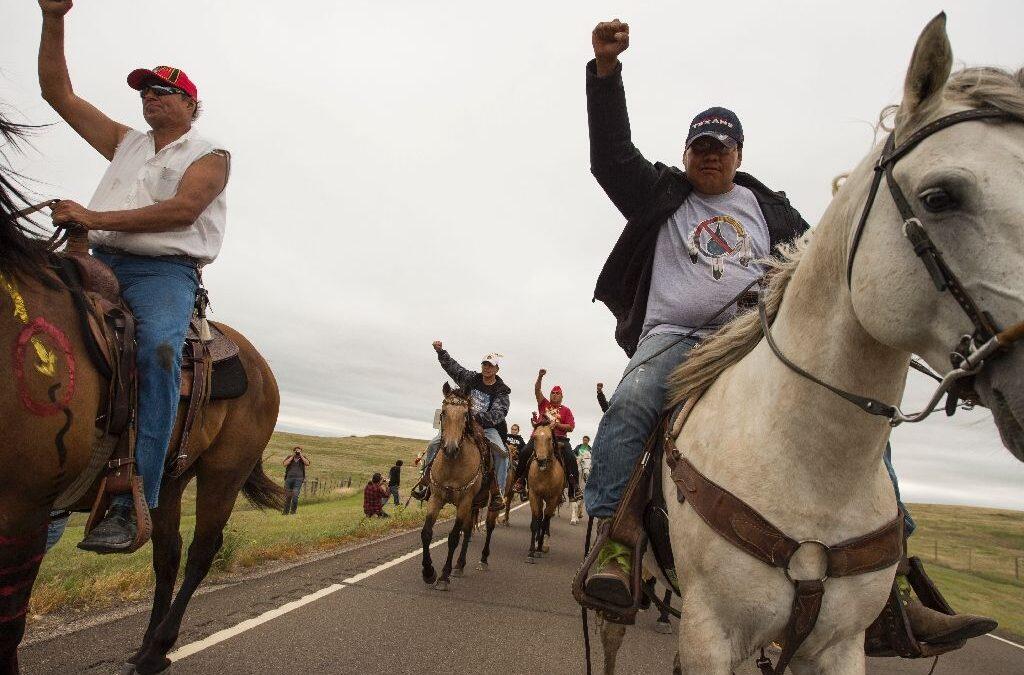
824	550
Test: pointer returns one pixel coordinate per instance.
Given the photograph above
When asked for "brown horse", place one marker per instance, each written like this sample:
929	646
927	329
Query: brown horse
455	476
513	459
546	481
49	396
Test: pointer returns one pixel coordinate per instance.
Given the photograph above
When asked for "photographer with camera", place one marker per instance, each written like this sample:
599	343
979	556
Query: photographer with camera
294	476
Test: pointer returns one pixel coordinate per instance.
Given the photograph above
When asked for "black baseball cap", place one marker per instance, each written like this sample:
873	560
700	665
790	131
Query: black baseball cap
718	123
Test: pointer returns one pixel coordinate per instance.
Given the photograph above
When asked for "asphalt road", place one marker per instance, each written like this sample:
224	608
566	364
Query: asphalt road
366	610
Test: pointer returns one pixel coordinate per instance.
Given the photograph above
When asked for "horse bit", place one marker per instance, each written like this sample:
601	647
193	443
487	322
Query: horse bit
971	353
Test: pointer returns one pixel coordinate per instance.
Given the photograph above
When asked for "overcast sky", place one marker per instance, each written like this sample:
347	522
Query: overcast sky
410	171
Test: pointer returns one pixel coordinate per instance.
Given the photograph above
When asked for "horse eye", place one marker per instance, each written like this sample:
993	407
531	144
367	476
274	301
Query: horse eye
937	200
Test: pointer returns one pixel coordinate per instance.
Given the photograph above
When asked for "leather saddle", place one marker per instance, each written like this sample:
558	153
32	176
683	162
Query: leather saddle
211	370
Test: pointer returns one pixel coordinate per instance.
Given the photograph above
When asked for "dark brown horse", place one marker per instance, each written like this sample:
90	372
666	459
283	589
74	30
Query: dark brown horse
49	396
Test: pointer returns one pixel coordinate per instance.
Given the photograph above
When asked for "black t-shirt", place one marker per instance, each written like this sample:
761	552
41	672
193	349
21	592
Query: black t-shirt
516	441
395	475
296	469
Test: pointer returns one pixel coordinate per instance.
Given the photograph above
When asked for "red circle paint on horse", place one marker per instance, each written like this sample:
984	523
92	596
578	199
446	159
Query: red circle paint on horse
40	326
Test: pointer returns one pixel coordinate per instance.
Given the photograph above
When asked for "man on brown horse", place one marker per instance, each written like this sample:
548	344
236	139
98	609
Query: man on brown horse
490	401
156	218
562	422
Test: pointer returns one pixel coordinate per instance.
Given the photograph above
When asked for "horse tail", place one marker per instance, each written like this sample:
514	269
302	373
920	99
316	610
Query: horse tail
262	492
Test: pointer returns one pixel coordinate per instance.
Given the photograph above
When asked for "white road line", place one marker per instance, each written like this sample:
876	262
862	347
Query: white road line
1012	644
228	633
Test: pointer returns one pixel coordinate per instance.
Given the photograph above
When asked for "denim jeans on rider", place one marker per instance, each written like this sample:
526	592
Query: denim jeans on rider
632	413
161	294
499	457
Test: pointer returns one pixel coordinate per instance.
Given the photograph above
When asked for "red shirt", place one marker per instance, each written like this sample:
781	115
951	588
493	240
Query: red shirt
564	416
373	498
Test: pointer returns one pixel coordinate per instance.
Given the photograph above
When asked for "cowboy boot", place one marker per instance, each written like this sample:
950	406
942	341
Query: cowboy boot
610	580
935	627
114	534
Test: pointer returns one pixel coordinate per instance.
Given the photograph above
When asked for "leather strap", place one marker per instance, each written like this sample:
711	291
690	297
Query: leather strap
748	530
202	370
868	405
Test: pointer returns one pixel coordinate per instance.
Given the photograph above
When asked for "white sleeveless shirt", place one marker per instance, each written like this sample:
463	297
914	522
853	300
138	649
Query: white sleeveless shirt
139	176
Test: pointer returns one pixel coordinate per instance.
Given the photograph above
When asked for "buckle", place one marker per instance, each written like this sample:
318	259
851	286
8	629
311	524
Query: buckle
119	462
800	544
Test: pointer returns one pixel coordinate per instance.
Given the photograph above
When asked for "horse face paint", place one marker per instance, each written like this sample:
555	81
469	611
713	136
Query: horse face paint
34	331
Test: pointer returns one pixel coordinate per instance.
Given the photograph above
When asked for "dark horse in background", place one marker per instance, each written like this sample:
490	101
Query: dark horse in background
49	397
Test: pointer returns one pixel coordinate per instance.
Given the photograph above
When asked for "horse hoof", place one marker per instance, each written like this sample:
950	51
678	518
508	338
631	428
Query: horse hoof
481	567
161	664
429	577
530	559
441	585
127	669
663	627
546	548
457	572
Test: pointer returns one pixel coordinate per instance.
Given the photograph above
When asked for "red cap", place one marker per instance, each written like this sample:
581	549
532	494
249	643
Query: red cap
556	389
175	77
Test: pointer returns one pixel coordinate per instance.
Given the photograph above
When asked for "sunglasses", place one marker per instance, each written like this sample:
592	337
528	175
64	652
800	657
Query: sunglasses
160	90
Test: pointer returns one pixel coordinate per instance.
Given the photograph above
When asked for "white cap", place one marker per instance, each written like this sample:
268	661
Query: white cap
492	359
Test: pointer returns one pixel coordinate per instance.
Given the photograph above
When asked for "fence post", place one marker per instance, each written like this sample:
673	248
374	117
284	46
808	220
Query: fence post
936	544
1016	568
970	560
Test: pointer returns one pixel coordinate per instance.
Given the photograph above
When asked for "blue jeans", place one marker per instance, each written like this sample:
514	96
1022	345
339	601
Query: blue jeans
632	414
161	294
292	486
498	454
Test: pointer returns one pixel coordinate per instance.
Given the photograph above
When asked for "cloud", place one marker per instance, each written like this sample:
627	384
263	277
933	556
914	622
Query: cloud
408	171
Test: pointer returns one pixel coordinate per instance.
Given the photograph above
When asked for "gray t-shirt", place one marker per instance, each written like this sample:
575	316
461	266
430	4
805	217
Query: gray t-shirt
296	469
704	256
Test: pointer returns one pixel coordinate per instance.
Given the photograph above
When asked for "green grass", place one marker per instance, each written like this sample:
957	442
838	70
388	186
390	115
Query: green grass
70	579
971	554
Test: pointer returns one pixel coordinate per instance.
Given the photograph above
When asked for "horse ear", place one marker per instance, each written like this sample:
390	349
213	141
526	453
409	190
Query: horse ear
446	389
930	66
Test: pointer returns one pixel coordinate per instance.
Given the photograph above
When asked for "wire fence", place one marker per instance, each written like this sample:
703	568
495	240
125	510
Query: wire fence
322	486
994	565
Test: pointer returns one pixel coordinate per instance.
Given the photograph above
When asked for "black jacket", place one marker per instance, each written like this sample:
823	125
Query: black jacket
647	194
467	380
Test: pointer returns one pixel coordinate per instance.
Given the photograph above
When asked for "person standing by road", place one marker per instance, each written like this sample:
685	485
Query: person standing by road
294	476
395	479
158	215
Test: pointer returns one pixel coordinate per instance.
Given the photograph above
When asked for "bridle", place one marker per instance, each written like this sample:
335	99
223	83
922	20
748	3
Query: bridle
973	351
467	427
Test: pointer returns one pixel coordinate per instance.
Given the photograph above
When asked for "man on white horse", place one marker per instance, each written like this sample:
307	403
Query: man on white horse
689	248
158	216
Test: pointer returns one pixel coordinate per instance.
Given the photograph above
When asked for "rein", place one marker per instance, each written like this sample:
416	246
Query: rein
971	353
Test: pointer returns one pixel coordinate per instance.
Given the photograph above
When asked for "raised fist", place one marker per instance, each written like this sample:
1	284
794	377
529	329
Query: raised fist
600	386
610	38
541	372
437	346
55	8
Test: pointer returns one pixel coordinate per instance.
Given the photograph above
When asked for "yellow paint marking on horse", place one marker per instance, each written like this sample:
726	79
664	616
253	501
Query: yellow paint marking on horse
47	359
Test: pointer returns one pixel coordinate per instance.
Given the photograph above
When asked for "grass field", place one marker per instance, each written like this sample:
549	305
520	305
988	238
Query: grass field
977	548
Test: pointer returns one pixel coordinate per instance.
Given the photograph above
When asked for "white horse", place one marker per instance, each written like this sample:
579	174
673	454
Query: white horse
807	460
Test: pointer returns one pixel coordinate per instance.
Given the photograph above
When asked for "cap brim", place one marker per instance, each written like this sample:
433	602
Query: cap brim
140	77
727	141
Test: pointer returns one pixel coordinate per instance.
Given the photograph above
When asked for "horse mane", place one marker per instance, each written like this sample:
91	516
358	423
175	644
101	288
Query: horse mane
21	254
974	87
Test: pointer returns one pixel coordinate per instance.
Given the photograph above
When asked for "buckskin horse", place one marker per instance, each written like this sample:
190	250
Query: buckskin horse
546	482
50	393
458	476
850	305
